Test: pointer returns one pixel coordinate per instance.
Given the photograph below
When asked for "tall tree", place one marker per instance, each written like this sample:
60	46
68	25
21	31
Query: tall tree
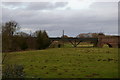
46	41
8	30
42	39
39	39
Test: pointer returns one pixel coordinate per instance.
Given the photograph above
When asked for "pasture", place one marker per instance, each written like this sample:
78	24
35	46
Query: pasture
67	62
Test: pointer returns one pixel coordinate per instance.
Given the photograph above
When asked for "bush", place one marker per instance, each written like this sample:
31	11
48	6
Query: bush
13	71
13	40
42	40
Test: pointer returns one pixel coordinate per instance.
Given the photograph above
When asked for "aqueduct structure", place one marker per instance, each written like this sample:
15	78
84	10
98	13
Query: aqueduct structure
111	41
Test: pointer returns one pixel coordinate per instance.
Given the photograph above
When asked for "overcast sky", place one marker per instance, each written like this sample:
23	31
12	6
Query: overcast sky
74	17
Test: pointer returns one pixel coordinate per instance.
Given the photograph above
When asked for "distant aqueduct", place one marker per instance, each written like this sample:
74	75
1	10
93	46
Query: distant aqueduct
111	41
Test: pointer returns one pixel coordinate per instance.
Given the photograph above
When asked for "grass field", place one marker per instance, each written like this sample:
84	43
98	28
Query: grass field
67	62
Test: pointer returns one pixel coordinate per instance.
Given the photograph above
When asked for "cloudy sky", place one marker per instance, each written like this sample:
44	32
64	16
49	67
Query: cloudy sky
74	17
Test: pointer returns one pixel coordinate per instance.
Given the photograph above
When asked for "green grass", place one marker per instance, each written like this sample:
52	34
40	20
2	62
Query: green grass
67	62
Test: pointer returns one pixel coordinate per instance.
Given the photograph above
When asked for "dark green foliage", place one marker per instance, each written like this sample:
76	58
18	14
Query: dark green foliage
13	71
23	43
8	30
22	40
19	43
39	40
31	42
46	41
42	40
13	41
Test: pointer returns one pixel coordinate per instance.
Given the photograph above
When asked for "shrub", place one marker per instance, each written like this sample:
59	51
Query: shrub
42	40
13	71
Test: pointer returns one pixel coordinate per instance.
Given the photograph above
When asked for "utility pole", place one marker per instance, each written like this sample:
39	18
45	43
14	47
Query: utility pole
63	38
63	33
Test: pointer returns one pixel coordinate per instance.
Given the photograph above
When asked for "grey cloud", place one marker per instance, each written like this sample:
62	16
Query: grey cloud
97	18
104	5
12	3
61	4
45	5
36	5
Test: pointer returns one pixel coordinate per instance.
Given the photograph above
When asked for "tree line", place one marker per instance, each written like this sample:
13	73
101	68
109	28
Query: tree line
14	40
